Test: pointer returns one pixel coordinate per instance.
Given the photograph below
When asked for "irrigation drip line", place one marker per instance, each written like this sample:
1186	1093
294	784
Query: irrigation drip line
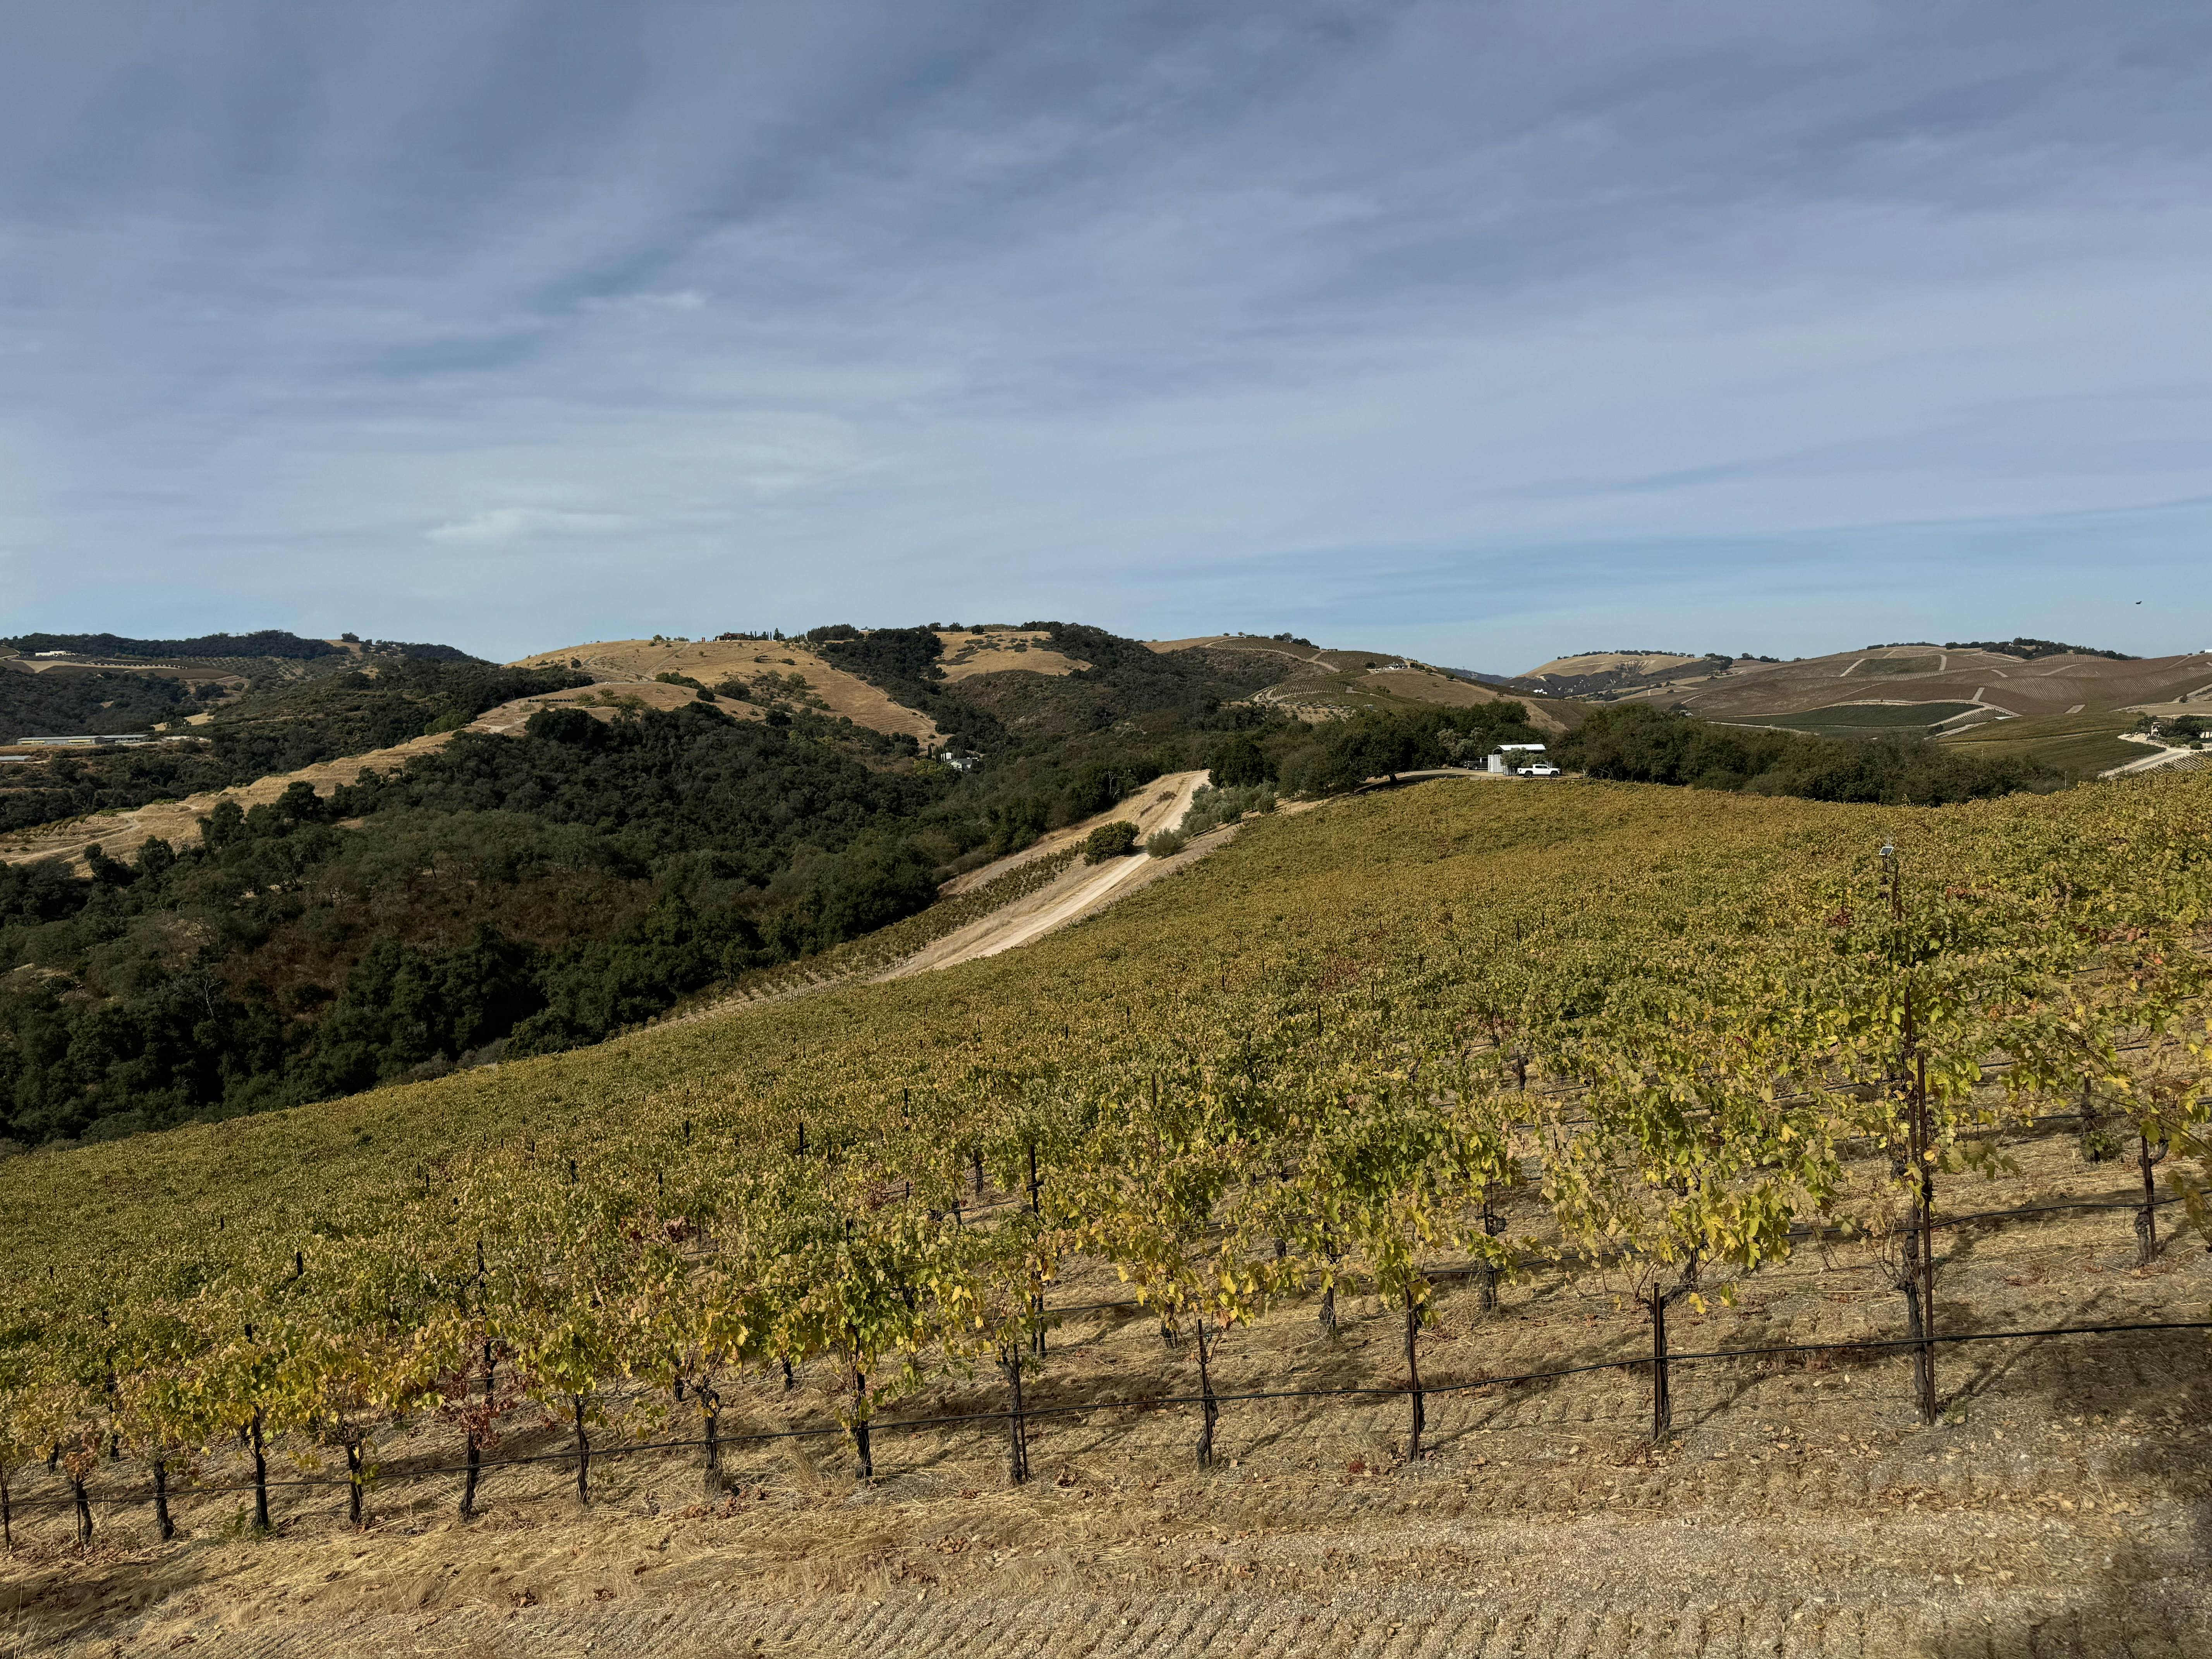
1463	1270
2043	1209
1154	1402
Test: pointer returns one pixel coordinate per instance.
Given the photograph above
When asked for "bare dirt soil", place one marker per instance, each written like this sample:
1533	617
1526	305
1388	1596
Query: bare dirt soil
1799	1509
1078	892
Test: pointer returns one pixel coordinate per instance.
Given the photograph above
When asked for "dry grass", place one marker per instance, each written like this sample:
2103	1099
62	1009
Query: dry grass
968	655
119	835
624	665
1600	662
1799	1509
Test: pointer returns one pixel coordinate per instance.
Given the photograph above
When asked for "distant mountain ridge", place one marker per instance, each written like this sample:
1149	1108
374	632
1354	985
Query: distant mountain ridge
274	642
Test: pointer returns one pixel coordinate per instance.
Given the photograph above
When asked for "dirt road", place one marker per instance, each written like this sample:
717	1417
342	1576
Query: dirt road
1083	889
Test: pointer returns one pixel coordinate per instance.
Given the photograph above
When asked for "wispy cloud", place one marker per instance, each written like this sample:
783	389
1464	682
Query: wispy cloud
683	299
509	524
1477	331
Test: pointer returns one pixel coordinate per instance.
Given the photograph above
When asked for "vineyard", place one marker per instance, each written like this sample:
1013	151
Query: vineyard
1511	1098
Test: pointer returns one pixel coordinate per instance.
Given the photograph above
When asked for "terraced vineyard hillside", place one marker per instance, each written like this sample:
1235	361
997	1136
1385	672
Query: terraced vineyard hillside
1312	683
1300	1230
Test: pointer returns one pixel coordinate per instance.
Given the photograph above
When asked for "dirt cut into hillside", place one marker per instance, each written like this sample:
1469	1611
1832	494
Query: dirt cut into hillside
1078	892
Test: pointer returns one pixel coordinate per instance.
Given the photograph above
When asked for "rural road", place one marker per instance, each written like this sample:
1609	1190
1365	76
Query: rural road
1077	892
2163	756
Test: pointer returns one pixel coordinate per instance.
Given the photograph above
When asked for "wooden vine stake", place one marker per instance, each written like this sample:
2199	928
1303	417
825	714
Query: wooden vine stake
356	1476
260	1475
583	1453
710	1406
1017	1441
2147	1217
163	1524
1663	1298
863	1450
1420	1413
1209	1409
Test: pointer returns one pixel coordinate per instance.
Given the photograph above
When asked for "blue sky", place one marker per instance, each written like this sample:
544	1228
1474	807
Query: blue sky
1482	331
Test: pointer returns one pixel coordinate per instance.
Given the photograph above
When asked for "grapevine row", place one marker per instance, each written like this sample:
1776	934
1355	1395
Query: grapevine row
1669	1059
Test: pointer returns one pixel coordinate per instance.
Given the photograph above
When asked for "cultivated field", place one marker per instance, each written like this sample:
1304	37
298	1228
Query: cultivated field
2081	745
1800	1510
1600	662
1227	1055
2046	686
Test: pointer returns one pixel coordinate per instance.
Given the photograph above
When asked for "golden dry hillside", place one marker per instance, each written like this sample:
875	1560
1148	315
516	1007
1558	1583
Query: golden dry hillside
1599	662
627	667
1316	683
969	654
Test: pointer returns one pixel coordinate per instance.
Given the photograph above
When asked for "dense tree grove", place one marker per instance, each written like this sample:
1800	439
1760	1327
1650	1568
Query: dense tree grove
264	642
539	891
1636	743
279	730
61	705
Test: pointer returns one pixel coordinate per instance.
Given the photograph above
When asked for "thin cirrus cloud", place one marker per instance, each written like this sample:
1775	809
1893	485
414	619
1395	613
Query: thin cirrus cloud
1481	331
510	524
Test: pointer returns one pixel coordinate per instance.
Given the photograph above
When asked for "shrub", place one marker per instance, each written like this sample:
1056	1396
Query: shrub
1636	743
1210	808
1166	844
1109	841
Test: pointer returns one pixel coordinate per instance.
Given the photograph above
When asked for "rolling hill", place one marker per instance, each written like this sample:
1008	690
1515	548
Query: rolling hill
2059	707
2005	685
551	852
402	864
1312	683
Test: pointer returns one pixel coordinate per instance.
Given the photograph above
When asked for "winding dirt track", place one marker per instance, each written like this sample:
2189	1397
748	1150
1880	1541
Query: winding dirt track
1084	888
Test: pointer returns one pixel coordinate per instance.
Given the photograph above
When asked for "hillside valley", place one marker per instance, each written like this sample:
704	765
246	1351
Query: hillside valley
2038	700
352	862
395	860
